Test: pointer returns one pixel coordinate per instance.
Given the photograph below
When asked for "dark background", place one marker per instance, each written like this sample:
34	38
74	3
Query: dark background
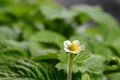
111	6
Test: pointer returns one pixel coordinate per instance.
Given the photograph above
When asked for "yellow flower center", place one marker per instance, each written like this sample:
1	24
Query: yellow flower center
73	47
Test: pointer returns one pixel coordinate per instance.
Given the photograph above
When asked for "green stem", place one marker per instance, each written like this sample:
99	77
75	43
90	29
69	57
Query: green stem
69	75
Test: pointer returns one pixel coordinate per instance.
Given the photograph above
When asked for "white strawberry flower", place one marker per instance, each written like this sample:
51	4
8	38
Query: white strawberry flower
73	47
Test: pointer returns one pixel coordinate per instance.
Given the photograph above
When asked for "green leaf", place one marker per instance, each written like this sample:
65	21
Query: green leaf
7	33
18	46
77	62
48	37
90	64
28	69
50	11
99	47
11	51
19	10
85	76
63	58
81	57
39	52
9	56
17	78
114	76
116	45
102	19
97	77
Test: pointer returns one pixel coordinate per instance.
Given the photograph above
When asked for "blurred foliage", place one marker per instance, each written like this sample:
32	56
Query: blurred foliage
32	33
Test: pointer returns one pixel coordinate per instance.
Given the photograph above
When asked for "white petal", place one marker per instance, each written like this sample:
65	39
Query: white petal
67	43
77	51
76	42
74	52
66	49
82	47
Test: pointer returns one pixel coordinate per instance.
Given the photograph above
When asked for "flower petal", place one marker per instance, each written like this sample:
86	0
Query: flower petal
82	47
74	52
66	49
67	43
76	42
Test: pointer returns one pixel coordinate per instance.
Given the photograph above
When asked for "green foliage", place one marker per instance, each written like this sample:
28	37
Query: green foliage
29	70
32	33
52	37
114	76
85	77
7	33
